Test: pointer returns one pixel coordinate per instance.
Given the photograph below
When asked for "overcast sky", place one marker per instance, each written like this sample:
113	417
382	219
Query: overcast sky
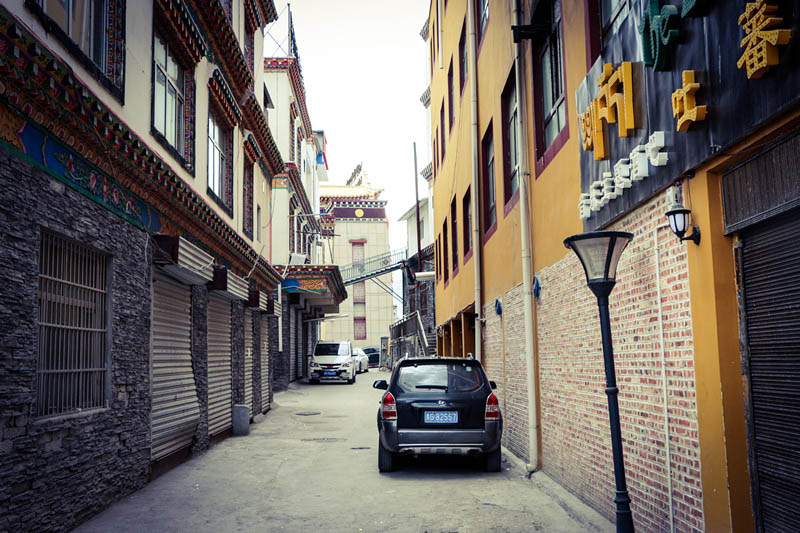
364	68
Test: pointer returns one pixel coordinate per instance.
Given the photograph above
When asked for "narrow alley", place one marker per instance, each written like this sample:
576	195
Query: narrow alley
311	464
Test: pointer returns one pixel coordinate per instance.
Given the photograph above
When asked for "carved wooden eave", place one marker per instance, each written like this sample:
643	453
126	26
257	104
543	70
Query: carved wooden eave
223	99
42	90
224	44
256	122
176	19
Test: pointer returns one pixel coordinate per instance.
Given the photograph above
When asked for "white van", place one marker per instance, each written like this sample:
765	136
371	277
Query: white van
332	361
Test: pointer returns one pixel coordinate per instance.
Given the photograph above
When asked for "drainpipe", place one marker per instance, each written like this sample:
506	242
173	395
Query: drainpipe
476	242
530	366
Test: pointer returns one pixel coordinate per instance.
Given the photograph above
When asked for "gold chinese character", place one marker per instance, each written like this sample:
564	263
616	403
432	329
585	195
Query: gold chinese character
585	123
684	103
762	39
615	97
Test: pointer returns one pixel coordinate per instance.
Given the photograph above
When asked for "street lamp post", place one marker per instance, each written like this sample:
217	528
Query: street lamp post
599	253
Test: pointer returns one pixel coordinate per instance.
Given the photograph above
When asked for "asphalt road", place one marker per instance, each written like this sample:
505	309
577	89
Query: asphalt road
310	464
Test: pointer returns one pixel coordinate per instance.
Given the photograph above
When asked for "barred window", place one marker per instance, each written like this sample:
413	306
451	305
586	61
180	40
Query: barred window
73	327
360	328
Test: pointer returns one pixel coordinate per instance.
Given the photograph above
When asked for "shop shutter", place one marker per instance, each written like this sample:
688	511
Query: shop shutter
219	365
248	359
175	407
265	384
771	277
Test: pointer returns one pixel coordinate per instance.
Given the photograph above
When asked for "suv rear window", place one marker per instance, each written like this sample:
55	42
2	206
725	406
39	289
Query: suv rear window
452	377
331	348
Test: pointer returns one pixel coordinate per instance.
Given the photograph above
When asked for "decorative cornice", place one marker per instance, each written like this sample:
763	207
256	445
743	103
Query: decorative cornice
300	193
268	10
182	22
427	172
252	16
42	89
256	122
290	65
251	148
426	97
228	54
219	89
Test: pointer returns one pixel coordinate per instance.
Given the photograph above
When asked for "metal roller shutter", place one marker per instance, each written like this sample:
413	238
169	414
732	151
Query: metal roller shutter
771	275
219	365
175	407
265	384
248	359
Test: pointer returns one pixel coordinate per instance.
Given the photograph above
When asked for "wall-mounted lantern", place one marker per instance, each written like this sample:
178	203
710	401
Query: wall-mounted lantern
679	222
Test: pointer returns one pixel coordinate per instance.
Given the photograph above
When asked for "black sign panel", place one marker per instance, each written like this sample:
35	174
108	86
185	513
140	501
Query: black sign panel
709	45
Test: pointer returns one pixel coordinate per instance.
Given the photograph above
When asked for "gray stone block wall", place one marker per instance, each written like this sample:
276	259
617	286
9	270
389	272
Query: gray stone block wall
272	328
237	352
56	472
293	337
257	406
200	362
280	361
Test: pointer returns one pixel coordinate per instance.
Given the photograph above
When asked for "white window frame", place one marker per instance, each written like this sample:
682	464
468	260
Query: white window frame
216	156
175	83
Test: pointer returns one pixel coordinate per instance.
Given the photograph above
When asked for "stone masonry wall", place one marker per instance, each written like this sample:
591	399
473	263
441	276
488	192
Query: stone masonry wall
280	360
200	362
57	471
237	353
292	340
576	444
256	323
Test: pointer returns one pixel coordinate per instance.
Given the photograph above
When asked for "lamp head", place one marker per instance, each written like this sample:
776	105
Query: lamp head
678	217
599	253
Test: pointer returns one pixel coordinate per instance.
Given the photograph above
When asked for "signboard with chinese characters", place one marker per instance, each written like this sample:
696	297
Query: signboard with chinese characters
675	85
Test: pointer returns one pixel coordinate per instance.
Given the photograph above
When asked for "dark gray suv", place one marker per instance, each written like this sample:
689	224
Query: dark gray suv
438	406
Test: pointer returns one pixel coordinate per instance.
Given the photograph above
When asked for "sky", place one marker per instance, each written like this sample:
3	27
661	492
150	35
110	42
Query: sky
364	68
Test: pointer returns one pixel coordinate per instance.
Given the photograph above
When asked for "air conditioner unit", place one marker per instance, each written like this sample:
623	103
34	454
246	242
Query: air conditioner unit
297	259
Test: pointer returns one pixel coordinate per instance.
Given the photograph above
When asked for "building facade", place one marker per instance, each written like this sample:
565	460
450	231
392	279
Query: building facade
356	218
625	109
137	308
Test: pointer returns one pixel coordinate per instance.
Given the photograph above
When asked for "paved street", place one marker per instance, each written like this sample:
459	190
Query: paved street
311	464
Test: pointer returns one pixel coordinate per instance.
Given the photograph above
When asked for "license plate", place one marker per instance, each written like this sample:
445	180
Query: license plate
329	373
440	417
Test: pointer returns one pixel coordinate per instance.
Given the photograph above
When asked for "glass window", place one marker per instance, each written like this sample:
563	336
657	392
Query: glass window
168	97
216	156
454	226
84	22
462	57
551	73
360	329
450	104
466	209
483	17
332	348
511	162
488	180
457	377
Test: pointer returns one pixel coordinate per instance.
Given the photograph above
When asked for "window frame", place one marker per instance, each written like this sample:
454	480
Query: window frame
450	105
488	183
545	153
454	232
511	169
224	146
481	18
179	149
111	74
466	210
463	68
442	141
445	257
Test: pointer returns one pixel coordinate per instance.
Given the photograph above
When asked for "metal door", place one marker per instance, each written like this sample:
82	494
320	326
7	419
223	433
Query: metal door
248	359
219	365
265	384
770	266
175	409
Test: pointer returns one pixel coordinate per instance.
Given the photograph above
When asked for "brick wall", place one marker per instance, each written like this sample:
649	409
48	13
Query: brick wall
504	360
576	445
56	472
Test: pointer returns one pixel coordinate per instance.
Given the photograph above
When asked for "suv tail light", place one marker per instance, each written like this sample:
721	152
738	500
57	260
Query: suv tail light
492	408
388	407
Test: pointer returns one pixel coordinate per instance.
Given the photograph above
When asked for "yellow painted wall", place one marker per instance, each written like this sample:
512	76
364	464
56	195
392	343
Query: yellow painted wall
501	255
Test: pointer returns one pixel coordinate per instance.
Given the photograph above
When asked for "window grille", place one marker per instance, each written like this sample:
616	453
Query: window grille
360	328
73	326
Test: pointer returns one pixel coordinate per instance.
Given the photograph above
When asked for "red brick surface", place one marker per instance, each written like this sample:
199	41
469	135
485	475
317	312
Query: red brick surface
576	444
504	358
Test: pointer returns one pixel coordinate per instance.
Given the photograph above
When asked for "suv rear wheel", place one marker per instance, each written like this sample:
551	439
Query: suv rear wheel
385	459
492	461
